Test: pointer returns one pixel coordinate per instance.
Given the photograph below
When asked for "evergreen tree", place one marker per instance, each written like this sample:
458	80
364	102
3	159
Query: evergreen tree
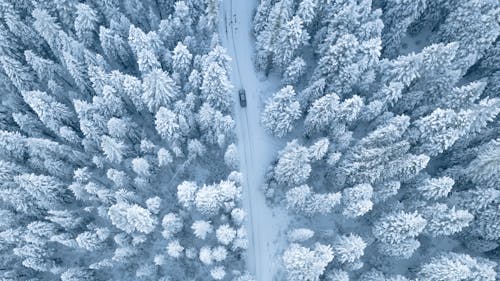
484	168
281	112
474	26
442	220
130	218
53	114
167	125
294	71
357	200
181	59
293	167
303	264
290	38
437	188
86	22
303	199
452	266
47	191
158	90
348	248
216	87
215	126
20	76
396	227
397	17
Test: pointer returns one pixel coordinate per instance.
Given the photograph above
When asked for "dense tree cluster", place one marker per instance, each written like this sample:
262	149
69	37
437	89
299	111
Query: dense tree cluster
111	114
390	112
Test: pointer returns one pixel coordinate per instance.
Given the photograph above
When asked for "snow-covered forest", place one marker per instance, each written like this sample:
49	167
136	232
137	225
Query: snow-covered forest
117	147
392	163
249	140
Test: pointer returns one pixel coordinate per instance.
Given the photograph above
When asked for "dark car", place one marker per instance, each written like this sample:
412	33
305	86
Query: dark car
243	97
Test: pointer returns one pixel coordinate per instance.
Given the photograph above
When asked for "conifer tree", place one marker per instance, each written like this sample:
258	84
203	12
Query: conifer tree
281	112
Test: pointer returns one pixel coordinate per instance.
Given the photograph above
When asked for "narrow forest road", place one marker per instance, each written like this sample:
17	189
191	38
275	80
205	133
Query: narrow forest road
265	226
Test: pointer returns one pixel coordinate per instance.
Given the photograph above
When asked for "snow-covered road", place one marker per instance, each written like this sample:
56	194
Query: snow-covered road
265	225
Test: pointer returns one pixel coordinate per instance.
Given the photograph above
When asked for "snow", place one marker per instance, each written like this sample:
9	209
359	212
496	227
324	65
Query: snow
266	226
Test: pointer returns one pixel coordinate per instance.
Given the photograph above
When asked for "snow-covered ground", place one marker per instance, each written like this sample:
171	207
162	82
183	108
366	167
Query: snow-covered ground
266	226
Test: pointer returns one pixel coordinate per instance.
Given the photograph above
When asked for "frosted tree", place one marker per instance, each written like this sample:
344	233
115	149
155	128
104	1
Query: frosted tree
351	46
300	235
47	27
319	149
294	71
90	240
218	273
486	222
225	234
158	90
52	113
396	227
357	200
348	248
47	191
464	96
291	37
211	198
114	45
86	22
45	69
385	190
205	255
20	76
238	216
281	112
202	228
141	167
77	274
312	92
473	24
397	17
167	124
400	250
484	168
435	188
369	160
442	220
214	125
439	130
303	264
303	199
174	249
327	111
453	266
113	149
293	165
130	218
186	192
216	87
172	224
181	59
307	10
231	157
164	157
219	253
267	39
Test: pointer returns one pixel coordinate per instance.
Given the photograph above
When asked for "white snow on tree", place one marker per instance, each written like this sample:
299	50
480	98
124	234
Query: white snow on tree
303	264
281	112
130	218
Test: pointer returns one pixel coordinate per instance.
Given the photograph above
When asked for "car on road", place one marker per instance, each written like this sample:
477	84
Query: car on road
243	97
